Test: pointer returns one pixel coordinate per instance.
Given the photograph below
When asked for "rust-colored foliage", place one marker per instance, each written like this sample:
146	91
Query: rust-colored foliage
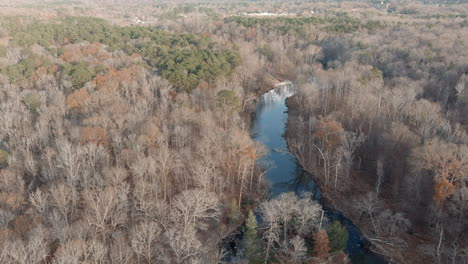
6	233
173	94
330	133
22	225
113	77
91	49
78	98
11	189
449	168
197	108
41	70
13	200
68	40
53	68
204	85
442	189
150	135
74	53
135	56
95	135
250	152
250	33
321	244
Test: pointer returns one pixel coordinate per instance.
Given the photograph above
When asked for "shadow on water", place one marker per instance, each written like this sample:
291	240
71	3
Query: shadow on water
284	175
357	248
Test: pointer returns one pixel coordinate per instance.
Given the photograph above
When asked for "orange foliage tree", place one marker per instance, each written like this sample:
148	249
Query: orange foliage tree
75	53
250	33
113	77
448	164
95	135
78	98
442	189
321	244
329	133
449	169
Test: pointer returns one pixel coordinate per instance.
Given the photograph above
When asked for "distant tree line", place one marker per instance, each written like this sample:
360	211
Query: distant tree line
186	60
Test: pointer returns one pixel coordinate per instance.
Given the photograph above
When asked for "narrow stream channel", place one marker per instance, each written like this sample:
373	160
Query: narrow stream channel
284	175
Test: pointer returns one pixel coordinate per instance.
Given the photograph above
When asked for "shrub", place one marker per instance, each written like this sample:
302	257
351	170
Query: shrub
3	51
26	68
33	101
3	158
79	74
229	101
338	236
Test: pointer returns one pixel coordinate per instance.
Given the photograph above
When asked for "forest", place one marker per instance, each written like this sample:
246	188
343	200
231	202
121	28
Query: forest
126	130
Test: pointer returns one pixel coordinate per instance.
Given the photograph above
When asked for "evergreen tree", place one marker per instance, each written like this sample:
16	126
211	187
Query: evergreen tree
234	212
79	74
229	101
3	51
252	243
338	236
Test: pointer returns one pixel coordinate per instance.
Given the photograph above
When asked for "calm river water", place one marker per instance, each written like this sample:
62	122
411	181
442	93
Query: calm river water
284	175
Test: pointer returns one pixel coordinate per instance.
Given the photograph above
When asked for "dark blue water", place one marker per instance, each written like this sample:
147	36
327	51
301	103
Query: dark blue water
283	173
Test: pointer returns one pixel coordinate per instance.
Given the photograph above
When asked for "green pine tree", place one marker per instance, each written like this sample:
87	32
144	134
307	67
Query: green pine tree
252	243
3	51
229	101
338	236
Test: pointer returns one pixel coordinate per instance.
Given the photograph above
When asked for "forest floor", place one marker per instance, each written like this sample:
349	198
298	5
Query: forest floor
402	247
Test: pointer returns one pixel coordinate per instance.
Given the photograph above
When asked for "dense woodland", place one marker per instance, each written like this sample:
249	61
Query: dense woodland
125	129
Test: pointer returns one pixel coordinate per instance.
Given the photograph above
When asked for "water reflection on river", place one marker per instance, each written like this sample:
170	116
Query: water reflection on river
282	172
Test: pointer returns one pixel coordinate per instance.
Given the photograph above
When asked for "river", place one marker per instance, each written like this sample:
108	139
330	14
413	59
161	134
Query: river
283	173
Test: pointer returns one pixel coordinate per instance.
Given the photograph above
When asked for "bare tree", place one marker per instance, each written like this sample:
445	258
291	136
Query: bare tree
369	205
94	158
204	175
81	251
247	99
144	240
308	215
6	216
105	209
461	201
166	162
288	214
39	200
69	159
460	88
426	117
64	198
34	250
11	189
272	228
192	208
184	245
299	249
120	251
390	223
350	142
380	176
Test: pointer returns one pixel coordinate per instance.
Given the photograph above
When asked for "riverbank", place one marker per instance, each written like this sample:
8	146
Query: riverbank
343	200
233	235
